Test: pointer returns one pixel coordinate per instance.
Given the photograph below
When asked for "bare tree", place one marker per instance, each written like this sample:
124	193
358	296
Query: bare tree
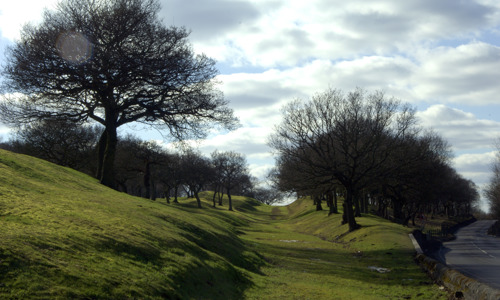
232	169
492	191
170	175
343	137
198	172
151	157
267	195
113	62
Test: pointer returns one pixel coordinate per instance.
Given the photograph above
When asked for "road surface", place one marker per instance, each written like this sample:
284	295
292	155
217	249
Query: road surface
474	253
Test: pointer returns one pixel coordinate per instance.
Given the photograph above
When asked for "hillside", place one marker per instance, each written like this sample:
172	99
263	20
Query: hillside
63	235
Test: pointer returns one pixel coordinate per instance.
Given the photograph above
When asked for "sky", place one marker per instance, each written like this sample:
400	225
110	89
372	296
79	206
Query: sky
442	57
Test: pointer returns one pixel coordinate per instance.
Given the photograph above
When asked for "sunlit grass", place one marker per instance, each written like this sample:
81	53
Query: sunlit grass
311	256
62	235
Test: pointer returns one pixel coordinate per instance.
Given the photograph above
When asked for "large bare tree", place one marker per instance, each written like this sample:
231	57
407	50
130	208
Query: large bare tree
112	62
345	138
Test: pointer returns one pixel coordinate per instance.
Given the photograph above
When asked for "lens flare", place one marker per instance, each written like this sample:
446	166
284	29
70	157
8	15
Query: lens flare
74	47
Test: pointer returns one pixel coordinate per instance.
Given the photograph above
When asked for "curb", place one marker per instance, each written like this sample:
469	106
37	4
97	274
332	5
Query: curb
415	244
461	285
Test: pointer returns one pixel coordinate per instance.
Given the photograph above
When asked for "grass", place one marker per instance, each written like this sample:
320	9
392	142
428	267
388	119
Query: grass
310	256
62	235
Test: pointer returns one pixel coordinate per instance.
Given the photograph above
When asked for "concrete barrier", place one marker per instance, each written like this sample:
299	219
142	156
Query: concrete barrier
462	286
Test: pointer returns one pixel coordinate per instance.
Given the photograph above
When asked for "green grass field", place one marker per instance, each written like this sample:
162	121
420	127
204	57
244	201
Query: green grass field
64	236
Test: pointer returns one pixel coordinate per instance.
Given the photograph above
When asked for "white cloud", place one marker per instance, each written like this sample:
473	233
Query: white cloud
260	170
466	74
14	14
476	167
250	141
4	131
463	130
287	33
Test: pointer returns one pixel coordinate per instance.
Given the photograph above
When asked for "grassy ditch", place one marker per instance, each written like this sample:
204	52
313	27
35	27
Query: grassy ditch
311	256
62	235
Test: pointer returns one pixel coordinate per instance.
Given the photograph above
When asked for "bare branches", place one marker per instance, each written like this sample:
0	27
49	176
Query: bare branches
113	62
340	138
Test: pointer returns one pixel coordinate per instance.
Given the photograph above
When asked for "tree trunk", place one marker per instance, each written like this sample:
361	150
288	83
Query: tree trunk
108	175
330	196
335	201
221	195
317	201
357	211
230	201
176	190
349	211
398	211
198	201
167	195
213	198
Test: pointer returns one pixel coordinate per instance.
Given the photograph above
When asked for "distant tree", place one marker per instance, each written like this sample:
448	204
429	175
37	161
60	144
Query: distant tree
112	62
414	175
218	163
232	169
492	191
171	175
345	138
197	172
294	177
268	195
128	167
62	142
152	157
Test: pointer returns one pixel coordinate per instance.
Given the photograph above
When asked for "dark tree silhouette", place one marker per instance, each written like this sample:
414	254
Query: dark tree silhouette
112	62
492	191
344	138
232	169
198	172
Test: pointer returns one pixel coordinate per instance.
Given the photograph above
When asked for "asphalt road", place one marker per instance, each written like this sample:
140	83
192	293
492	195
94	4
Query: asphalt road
474	253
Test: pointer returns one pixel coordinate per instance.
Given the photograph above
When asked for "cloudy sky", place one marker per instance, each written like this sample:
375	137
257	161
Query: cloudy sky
442	56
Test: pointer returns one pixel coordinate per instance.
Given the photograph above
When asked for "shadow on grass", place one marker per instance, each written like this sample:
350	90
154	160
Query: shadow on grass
229	246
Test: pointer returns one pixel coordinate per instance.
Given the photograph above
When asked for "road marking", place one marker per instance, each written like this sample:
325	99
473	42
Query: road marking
483	251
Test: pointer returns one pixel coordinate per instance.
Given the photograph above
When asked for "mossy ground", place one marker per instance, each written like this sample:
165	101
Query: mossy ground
64	236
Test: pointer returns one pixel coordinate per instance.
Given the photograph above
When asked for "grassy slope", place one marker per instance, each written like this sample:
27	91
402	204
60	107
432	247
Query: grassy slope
62	235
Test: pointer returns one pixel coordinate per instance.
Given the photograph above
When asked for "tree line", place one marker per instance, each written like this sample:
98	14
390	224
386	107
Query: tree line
492	191
143	168
369	149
